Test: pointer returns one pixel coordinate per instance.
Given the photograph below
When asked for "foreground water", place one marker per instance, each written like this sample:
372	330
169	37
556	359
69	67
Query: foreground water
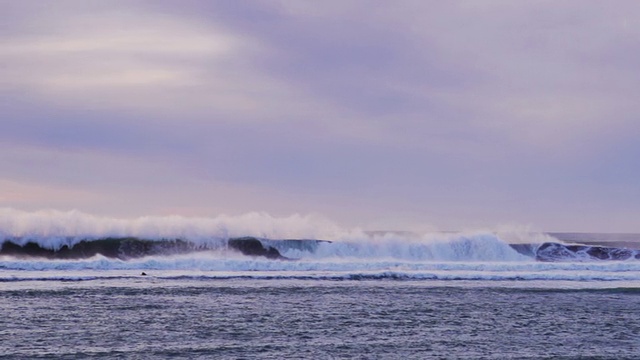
143	317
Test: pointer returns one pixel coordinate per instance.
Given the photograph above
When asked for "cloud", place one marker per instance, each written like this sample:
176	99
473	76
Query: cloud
141	62
29	195
526	75
448	113
450	71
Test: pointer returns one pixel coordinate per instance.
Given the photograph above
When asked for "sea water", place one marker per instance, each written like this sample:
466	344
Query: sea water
73	287
194	317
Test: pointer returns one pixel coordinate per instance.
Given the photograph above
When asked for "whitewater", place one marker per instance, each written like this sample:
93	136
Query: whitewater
303	247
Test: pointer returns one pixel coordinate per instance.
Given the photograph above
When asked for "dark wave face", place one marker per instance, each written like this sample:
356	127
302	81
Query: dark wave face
560	252
131	247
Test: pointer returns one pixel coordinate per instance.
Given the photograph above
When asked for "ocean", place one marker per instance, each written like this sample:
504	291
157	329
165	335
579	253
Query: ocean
76	287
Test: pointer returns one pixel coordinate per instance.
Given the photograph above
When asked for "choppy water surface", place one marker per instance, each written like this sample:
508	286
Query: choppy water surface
146	317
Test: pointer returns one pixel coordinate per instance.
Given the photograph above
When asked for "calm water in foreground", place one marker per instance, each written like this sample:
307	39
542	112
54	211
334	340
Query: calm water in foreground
147	317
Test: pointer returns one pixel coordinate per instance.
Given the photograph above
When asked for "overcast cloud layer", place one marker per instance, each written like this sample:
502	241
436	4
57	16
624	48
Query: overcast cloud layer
379	114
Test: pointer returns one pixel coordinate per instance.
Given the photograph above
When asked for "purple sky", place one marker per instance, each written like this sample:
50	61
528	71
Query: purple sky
379	114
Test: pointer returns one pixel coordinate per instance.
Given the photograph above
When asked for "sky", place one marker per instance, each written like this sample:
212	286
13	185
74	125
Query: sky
395	115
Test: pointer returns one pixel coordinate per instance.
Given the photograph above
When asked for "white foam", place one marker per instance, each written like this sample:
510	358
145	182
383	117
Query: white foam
221	265
445	247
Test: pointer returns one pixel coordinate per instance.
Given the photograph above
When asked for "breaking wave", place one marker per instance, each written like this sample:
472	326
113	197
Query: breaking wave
58	245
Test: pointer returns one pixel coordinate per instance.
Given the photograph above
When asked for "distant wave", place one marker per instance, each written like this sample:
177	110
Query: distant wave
73	246
461	248
481	257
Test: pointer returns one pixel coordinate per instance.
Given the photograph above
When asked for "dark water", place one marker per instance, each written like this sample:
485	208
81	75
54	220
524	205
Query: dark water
276	319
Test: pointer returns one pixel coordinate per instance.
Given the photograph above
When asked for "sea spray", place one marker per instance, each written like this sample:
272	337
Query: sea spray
54	229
